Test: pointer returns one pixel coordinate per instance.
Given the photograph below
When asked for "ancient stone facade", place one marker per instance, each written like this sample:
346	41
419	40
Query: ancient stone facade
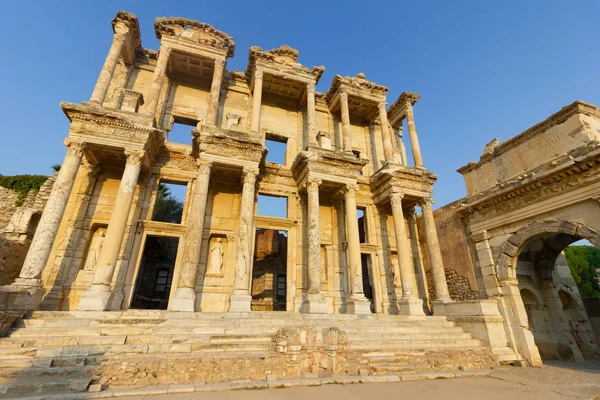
528	198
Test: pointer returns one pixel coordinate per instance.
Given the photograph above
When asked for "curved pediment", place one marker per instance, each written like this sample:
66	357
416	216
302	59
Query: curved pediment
194	31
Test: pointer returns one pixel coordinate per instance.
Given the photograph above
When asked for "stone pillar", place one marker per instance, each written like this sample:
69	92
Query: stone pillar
108	69
41	245
97	296
256	101
412	131
160	71
311	114
240	298
347	134
410	303
316	302
215	91
442	295
184	298
358	303
388	150
413	234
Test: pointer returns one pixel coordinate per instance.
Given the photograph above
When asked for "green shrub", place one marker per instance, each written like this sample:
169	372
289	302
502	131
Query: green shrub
22	184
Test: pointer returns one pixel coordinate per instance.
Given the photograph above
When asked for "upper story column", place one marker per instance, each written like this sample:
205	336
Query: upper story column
215	92
256	101
112	59
346	132
388	150
412	131
41	245
160	70
97	296
311	113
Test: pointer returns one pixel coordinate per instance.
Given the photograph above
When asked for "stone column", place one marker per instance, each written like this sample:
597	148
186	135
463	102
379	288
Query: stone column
410	304
41	245
316	302
388	150
256	101
311	114
442	295
97	296
358	303
184	297
160	71
215	91
108	69
346	123
240	298
412	131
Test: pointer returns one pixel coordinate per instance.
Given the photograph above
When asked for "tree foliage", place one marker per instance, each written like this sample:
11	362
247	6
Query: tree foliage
22	184
167	208
583	262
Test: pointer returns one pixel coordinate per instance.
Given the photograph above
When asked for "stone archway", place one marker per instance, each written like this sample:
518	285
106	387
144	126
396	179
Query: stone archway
529	258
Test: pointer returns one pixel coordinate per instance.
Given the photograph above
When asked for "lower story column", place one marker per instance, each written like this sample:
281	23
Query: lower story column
97	296
316	302
241	299
410	303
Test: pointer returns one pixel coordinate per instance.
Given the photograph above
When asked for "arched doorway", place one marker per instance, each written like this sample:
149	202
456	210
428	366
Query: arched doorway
555	312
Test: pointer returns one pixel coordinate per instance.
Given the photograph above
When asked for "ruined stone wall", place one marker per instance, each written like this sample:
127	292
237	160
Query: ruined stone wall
17	226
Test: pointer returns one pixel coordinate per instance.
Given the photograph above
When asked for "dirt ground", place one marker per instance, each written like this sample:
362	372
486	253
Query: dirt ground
552	381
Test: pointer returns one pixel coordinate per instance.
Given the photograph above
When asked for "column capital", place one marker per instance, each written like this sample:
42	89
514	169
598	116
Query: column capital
313	184
426	202
382	106
258	74
343	96
75	148
134	157
249	173
166	50
219	63
310	87
350	190
410	211
408	107
204	167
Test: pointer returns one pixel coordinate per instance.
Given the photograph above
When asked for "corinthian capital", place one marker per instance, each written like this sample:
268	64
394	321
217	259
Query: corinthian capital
258	74
134	157
382	106
426	202
219	64
204	168
396	198
249	174
350	190
313	184
75	148
310	87
344	96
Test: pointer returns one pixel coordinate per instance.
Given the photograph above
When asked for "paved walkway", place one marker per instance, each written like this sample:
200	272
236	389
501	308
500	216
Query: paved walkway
553	381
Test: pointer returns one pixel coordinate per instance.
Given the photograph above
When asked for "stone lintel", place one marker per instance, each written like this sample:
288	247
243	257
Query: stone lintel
414	182
357	86
397	111
328	165
229	147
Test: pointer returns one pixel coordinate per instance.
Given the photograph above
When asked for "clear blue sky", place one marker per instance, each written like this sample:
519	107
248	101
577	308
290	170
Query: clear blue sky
483	68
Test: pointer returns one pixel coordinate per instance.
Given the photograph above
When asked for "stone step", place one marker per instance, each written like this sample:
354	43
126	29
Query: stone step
36	386
416	344
407	336
39	373
382	369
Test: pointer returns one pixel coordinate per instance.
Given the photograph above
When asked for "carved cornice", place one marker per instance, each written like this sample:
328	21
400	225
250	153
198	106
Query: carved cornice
101	116
285	57
358	82
194	31
402	107
578	107
131	22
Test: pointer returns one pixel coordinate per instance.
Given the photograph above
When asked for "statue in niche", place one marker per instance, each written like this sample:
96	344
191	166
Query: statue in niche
396	272
94	251
215	257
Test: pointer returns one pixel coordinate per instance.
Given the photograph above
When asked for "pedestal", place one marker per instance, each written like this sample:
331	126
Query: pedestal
96	298
183	299
439	307
316	304
20	297
358	306
411	307
240	302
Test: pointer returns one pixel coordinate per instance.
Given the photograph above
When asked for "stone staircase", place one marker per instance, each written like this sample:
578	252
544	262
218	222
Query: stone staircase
64	352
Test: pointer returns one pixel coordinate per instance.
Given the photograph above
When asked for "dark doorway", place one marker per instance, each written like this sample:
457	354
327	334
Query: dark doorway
365	260
269	270
155	275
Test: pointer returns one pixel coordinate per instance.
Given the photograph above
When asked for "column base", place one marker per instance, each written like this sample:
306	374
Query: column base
52	299
411	306
316	304
95	298
21	297
183	299
358	305
439	306
240	302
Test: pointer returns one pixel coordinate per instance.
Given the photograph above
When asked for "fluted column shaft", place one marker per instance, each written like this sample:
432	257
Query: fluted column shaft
311	113
314	237
256	102
215	92
407	276
184	297
435	256
108	69
160	70
96	297
412	131
354	261
388	150
346	132
41	245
